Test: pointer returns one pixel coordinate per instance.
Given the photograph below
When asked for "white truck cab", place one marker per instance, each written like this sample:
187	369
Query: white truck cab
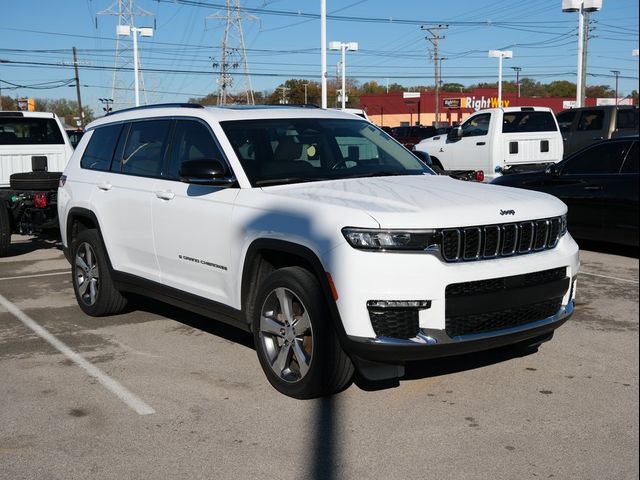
496	140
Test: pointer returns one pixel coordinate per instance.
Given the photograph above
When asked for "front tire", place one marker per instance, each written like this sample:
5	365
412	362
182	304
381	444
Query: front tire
295	341
92	283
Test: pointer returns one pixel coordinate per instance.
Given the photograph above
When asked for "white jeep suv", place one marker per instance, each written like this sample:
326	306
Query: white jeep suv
317	232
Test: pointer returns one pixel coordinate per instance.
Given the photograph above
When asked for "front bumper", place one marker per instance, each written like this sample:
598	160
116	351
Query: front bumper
431	343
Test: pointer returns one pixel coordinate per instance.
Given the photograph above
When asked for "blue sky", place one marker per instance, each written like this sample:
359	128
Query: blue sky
282	40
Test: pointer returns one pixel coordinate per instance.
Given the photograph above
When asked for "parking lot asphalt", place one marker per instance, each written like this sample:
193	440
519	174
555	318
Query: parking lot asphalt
159	393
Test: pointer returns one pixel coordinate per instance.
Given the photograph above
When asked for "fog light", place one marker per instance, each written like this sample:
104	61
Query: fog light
404	304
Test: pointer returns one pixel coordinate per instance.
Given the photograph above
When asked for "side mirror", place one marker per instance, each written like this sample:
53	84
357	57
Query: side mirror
552	170
205	172
455	133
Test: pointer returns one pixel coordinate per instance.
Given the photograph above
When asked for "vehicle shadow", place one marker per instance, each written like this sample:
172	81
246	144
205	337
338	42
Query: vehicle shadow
190	319
23	245
610	248
436	367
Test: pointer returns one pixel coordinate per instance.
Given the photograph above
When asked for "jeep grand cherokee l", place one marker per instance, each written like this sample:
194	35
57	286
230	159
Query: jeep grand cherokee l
324	237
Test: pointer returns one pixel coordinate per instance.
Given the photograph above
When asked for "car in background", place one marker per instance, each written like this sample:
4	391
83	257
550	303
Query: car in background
74	136
583	126
409	136
599	184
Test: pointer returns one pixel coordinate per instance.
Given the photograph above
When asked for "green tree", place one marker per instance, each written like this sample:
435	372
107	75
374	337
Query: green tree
66	110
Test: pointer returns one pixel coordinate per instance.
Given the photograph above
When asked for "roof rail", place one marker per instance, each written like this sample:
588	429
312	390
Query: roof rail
157	105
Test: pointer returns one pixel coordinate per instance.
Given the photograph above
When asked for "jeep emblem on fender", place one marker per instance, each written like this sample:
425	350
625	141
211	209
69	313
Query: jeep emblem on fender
507	212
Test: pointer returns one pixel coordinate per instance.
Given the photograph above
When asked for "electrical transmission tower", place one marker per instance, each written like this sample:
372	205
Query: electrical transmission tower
121	90
233	55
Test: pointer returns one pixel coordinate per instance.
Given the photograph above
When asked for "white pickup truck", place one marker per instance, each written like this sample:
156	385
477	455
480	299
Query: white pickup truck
496	141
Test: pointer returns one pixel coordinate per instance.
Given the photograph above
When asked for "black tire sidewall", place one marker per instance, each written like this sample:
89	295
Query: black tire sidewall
35	180
5	229
303	285
105	284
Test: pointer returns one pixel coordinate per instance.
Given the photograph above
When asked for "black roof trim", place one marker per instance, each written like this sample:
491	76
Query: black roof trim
157	105
11	114
268	107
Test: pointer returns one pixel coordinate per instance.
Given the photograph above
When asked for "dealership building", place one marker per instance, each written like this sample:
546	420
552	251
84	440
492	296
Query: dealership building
419	108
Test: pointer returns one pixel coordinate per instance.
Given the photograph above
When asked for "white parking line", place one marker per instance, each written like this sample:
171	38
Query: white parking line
36	275
135	403
610	278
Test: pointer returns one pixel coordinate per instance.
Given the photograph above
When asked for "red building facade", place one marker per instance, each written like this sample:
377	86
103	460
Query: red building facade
413	108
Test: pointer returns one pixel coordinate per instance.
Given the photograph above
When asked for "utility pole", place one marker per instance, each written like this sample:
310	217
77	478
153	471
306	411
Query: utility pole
75	67
616	73
306	84
517	70
583	73
433	30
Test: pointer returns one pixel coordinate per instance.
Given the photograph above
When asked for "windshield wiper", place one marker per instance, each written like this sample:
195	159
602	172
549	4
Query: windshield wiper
380	173
284	181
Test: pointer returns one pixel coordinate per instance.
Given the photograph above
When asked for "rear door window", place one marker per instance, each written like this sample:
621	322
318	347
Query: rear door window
631	163
520	122
99	151
146	144
565	120
30	131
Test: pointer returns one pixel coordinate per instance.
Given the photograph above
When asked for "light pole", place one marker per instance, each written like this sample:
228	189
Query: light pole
323	52
517	70
352	47
106	102
500	54
125	31
616	73
582	7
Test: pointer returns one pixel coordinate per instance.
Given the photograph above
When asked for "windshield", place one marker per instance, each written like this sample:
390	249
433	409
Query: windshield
279	151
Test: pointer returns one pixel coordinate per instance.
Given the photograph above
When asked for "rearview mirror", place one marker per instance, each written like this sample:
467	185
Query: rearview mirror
205	172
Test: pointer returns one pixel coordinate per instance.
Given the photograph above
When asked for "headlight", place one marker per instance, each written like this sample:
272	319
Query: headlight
563	225
381	240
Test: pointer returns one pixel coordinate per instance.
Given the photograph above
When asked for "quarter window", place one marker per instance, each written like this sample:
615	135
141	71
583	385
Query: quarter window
99	151
146	144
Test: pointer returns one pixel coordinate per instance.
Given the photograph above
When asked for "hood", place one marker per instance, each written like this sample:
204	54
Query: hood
425	201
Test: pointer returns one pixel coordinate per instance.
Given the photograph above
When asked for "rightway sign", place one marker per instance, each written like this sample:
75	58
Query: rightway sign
452	103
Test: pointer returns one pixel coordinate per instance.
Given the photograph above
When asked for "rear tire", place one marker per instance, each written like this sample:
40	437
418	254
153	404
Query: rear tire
294	337
5	230
91	277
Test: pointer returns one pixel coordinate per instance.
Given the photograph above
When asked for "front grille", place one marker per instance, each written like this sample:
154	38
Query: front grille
497	320
491	241
394	323
492	285
493	304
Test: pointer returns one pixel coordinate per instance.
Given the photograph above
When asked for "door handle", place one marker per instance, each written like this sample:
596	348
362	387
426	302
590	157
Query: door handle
594	187
165	195
481	143
105	186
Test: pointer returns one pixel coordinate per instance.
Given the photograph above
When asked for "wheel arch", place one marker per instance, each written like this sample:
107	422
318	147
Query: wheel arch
266	255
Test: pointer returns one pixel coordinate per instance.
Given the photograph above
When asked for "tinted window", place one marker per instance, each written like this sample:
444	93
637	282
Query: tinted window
99	152
565	119
30	131
591	120
192	141
476	126
145	148
627	118
600	159
518	122
631	163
